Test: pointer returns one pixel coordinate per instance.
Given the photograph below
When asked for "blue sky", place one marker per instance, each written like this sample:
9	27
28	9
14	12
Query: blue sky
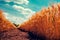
18	11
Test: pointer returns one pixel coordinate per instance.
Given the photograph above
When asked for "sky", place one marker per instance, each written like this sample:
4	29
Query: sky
19	11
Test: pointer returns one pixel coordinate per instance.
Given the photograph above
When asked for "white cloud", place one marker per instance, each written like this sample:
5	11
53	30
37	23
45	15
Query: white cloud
19	8
25	11
7	0
18	1
14	19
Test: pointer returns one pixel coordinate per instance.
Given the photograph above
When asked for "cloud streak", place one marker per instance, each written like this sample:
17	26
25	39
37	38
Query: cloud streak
18	1
25	11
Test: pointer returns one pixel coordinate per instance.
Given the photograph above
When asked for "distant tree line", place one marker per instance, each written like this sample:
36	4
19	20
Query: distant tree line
16	24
